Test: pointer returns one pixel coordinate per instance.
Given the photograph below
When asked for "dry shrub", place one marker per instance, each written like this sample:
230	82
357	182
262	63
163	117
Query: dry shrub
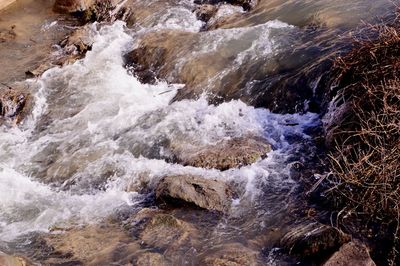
364	140
366	158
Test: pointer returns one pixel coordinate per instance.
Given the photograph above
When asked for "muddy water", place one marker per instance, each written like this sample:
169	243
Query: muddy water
98	140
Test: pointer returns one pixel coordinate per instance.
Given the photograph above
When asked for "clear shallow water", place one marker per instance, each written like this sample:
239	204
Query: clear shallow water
97	134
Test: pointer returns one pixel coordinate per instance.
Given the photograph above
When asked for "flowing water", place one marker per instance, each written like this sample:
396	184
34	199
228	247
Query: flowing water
96	134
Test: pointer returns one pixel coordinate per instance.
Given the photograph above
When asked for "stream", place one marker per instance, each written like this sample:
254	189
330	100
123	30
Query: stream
98	141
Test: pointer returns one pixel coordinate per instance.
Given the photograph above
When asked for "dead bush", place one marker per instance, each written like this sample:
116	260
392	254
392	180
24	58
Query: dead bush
364	132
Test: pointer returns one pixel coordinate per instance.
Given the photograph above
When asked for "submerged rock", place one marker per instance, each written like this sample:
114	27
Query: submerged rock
204	193
233	255
352	253
312	239
165	231
90	245
226	154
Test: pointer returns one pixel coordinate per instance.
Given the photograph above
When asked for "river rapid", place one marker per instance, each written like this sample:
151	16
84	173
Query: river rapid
98	141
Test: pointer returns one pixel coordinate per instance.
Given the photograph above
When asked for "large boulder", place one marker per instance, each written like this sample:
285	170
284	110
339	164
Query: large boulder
312	240
224	155
193	190
352	253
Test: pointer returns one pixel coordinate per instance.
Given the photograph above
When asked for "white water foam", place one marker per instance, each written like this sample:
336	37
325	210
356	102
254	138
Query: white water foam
80	159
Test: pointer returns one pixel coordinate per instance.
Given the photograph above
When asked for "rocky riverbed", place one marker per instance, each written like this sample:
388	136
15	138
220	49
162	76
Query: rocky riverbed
171	132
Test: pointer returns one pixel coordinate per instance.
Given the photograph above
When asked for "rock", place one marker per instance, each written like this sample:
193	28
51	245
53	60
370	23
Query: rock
165	231
13	104
204	193
159	52
90	245
38	71
149	259
338	115
352	253
71	6
92	10
205	12
312	239
246	4
6	260
231	255
144	63
75	47
226	154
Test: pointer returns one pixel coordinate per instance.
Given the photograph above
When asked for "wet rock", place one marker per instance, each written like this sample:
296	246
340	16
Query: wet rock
204	193
352	253
246	4
205	12
312	239
336	120
78	43
71	6
145	62
224	15
226	154
157	53
6	260
99	11
233	255
38	71
182	57
74	47
92	10
13	105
